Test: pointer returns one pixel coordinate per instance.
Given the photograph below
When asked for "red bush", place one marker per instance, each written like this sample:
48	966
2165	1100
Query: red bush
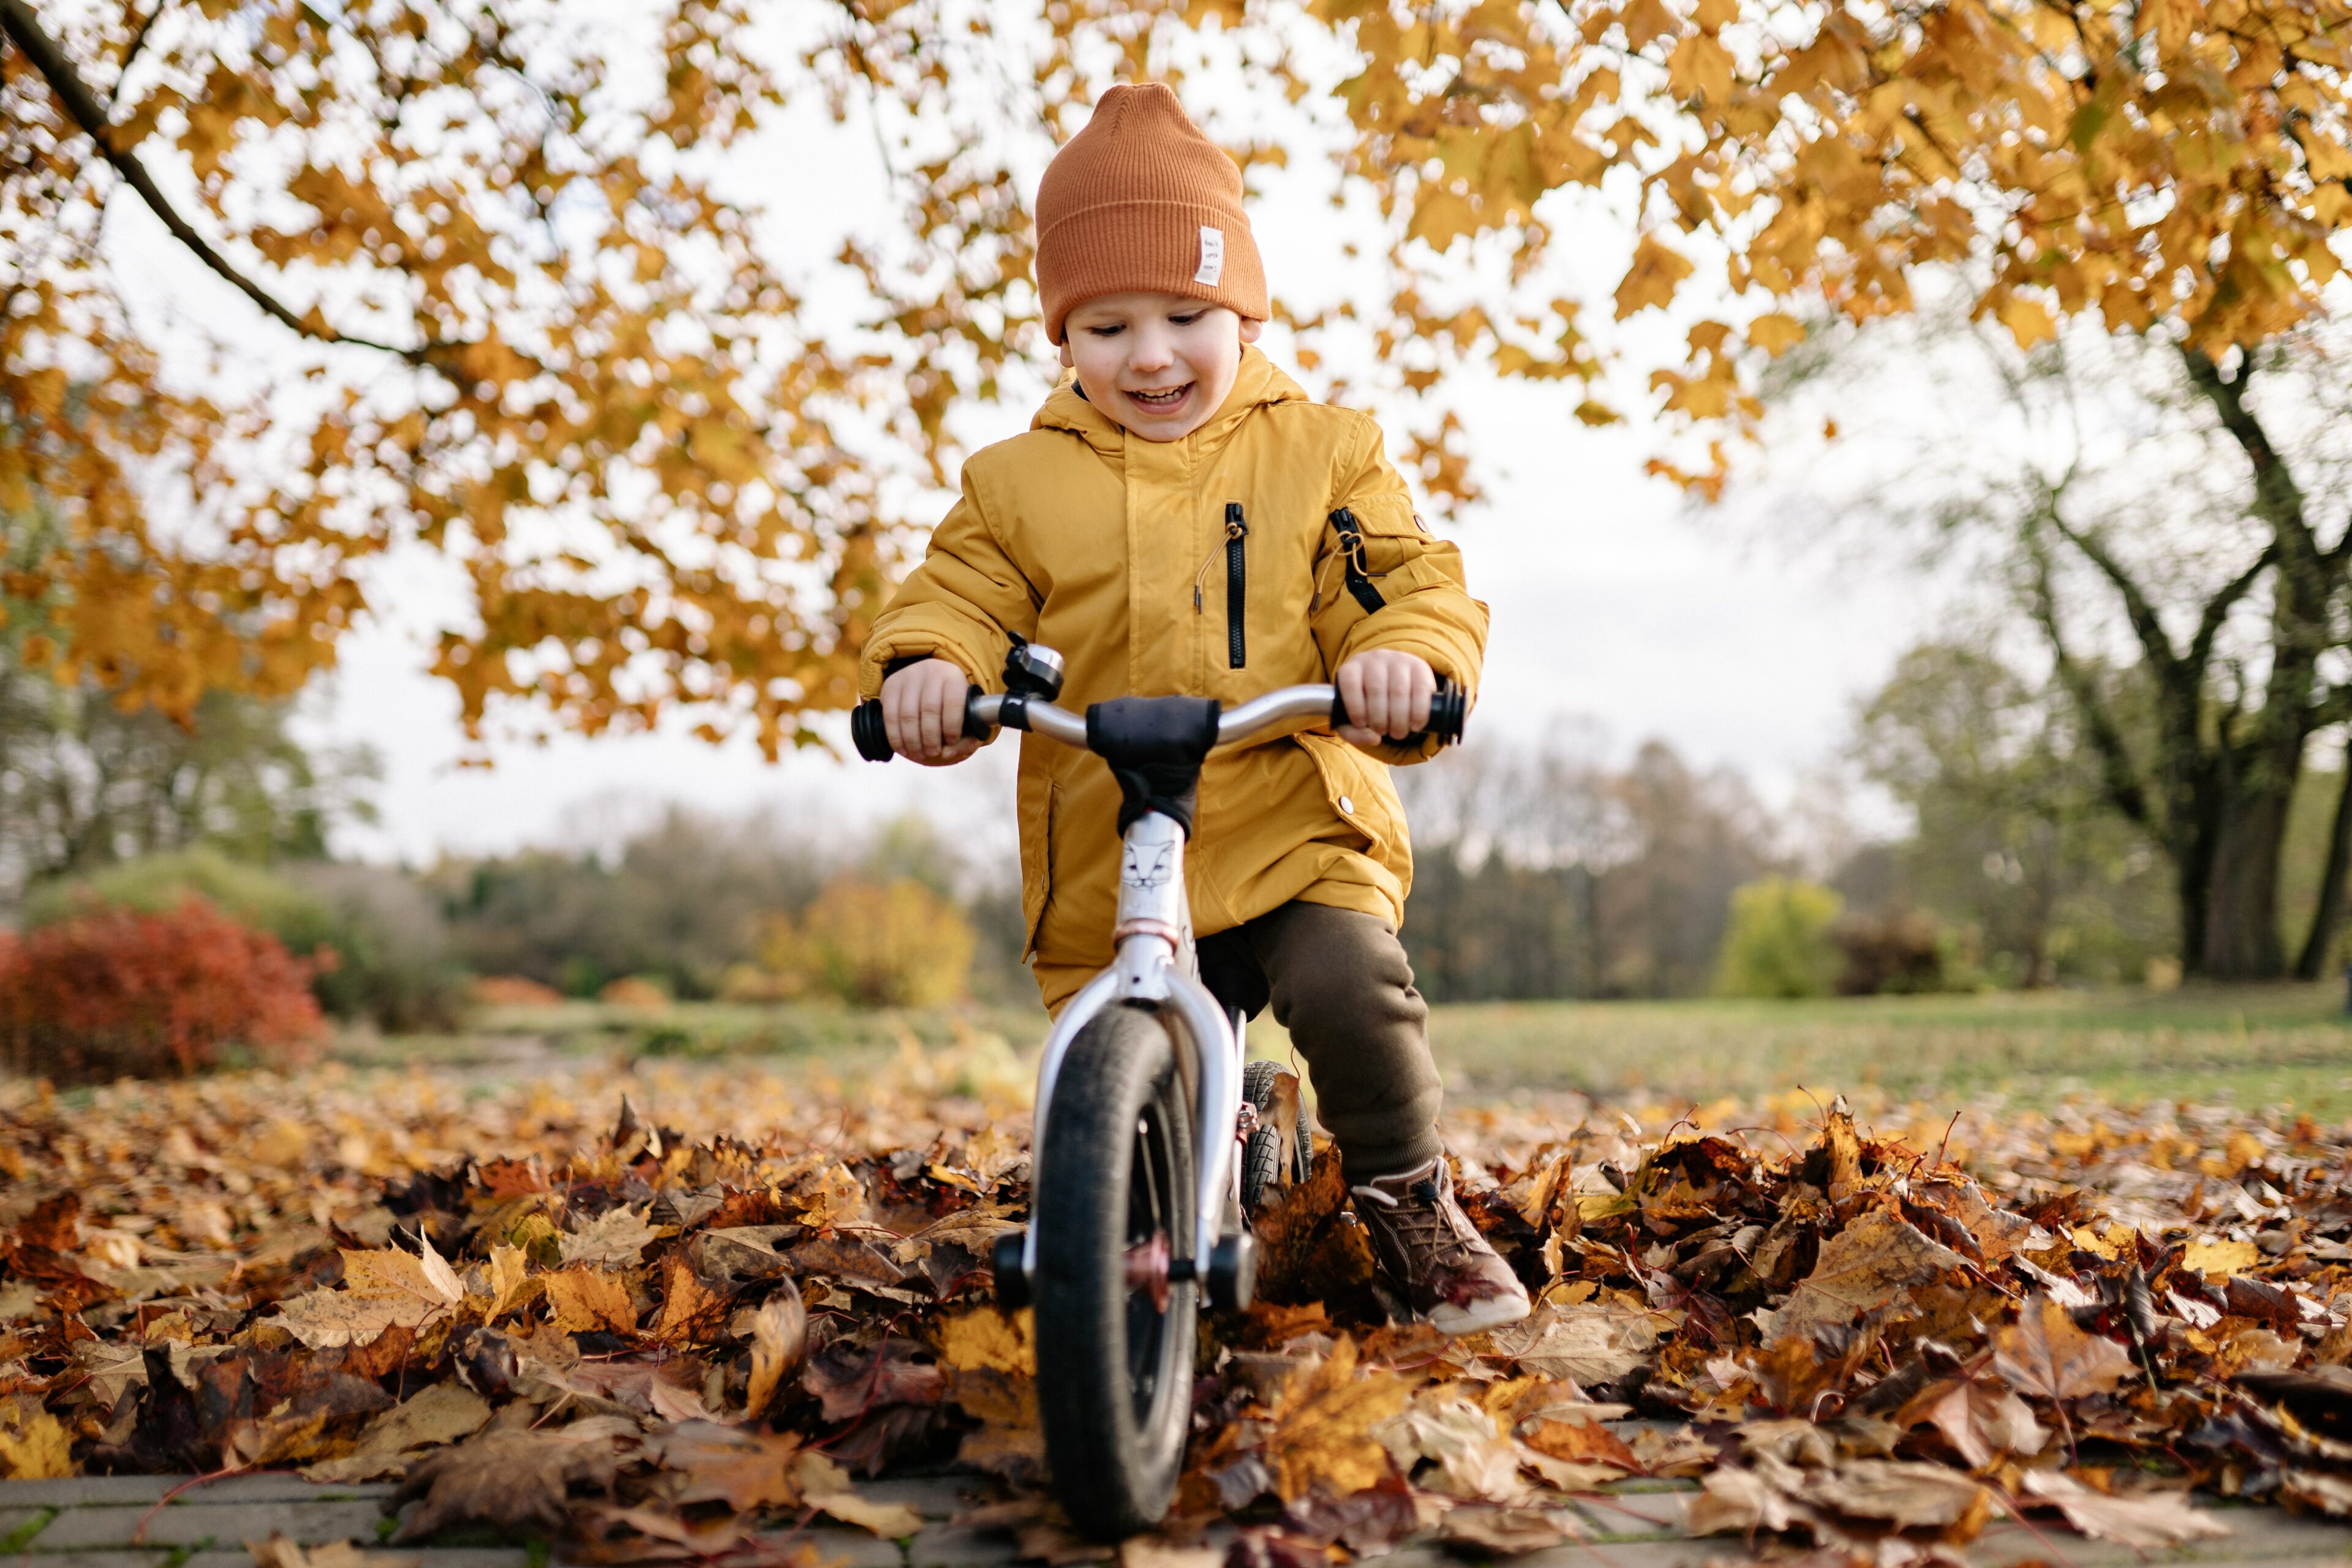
113	990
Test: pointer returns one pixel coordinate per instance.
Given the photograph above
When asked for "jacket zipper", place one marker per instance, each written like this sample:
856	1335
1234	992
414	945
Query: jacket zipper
1236	585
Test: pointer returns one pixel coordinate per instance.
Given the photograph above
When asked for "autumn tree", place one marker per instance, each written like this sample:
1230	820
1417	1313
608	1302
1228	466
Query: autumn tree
2168	170
450	271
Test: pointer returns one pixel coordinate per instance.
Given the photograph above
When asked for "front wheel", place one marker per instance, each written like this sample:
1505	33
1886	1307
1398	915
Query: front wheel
1113	1208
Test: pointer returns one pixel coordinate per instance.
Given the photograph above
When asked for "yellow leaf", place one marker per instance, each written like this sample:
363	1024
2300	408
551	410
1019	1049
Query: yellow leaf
2027	320
34	1445
584	1301
1323	1429
2218	1258
989	1340
1656	271
508	1270
1775	332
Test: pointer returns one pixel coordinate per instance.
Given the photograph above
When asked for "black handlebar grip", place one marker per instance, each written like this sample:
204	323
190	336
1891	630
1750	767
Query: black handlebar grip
868	733
1449	710
872	737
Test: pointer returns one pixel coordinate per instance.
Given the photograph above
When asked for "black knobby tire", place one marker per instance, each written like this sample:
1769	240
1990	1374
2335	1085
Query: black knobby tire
1114	1371
1262	1155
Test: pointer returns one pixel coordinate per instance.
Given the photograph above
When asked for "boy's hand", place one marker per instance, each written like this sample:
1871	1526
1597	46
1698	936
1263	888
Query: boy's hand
1387	693
922	712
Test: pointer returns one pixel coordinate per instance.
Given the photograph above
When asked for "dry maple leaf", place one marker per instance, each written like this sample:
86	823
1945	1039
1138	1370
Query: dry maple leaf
727	1464
34	1445
1323	1428
384	1288
2044	1353
779	1336
824	1486
585	1300
2144	1522
1590	1342
614	1239
1861	1269
1474	1459
514	1480
442	1413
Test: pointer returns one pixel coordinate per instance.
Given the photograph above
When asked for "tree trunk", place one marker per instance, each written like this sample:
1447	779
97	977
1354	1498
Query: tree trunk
2240	939
2328	908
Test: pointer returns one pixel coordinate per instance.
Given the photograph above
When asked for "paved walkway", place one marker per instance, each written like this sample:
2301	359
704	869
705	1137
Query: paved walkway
124	1521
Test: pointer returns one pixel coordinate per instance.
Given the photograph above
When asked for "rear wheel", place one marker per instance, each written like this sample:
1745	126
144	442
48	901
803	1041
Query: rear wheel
1113	1208
1262	1161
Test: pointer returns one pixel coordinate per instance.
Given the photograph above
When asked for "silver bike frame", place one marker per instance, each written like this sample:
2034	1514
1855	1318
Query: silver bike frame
1155	964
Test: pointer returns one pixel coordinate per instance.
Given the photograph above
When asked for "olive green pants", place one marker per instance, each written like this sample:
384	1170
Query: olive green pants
1339	983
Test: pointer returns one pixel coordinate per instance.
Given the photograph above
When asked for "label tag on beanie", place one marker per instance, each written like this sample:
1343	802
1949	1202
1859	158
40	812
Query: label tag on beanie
1212	256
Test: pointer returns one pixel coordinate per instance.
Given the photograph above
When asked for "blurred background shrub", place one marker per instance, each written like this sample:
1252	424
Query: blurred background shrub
1779	942
110	991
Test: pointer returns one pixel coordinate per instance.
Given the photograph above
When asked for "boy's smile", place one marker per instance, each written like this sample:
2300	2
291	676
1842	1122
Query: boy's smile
1159	363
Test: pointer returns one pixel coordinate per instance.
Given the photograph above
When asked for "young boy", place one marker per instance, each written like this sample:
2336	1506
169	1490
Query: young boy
1180	520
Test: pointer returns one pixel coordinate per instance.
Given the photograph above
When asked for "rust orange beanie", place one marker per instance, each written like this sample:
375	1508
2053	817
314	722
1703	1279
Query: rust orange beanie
1141	200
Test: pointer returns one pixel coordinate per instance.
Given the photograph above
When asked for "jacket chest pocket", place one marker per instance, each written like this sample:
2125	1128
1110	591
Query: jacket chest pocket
1230	560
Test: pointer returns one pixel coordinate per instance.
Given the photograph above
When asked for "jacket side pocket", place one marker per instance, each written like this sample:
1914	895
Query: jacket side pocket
1038	796
1360	794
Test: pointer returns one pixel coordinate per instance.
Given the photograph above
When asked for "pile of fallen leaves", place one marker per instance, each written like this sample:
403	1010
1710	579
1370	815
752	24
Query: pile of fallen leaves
651	1336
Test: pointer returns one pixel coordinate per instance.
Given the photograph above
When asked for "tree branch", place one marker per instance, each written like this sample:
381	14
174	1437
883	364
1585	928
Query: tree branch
2147	625
2278	499
2117	775
24	29
2218	608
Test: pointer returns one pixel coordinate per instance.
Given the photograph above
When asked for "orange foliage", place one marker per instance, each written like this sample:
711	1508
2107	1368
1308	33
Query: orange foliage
115	990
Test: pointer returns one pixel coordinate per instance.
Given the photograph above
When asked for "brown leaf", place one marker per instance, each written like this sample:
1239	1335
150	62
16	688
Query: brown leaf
1590	1342
2145	1522
824	1486
613	1239
2043	1354
442	1413
1508	1531
585	1300
690	1310
851	1379
741	1468
779	1335
1585	1442
514	1480
1861	1269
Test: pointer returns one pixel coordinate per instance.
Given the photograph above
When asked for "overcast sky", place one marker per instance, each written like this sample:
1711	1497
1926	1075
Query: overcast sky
1613	602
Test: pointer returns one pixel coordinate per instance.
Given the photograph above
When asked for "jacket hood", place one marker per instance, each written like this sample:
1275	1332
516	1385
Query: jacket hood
1260	382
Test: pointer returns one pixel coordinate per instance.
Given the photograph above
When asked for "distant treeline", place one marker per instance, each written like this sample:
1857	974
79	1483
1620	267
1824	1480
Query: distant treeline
1543	869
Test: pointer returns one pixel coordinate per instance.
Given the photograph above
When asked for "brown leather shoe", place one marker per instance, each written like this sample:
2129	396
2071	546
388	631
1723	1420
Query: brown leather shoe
1433	1255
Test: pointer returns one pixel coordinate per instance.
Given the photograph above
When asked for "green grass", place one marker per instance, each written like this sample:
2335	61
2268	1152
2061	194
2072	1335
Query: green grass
2252	1046
517	1036
2248	1045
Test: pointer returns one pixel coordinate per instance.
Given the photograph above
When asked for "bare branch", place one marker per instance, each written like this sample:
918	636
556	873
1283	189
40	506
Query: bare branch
2147	625
24	29
2218	608
2119	774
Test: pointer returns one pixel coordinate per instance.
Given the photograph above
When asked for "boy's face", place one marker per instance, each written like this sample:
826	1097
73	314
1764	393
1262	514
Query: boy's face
1158	363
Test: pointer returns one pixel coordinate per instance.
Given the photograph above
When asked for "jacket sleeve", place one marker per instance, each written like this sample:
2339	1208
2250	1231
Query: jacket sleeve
1424	608
965	602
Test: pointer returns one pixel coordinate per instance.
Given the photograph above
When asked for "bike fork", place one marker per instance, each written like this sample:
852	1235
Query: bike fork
1156	968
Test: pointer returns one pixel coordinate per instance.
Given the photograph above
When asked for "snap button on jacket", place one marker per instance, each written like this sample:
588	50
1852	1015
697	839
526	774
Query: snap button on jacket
1093	541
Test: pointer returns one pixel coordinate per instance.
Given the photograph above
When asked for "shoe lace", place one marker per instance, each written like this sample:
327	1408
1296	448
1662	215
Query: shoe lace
1422	1224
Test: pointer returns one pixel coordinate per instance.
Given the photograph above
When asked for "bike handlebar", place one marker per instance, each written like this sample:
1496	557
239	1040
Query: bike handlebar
985	710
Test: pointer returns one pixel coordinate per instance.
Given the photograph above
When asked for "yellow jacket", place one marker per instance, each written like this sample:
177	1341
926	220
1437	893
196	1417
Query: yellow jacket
1092	542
